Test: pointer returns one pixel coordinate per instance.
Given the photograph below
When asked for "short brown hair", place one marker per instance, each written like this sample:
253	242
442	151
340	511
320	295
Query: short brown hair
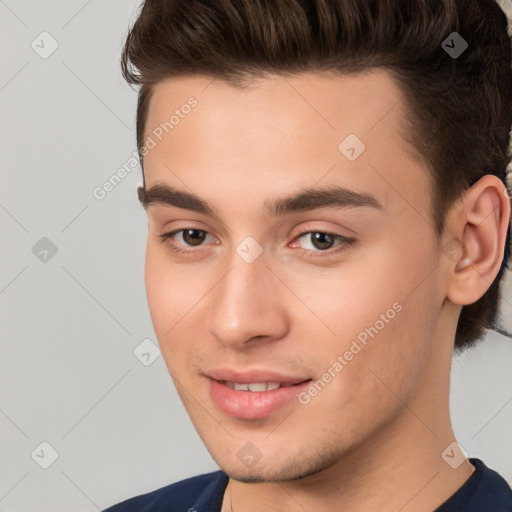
460	109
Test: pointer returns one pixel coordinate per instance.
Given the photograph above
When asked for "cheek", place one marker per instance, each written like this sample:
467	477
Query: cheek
171	295
384	297
171	290
382	310
346	299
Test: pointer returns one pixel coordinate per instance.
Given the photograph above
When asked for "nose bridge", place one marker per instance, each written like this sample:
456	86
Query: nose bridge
245	303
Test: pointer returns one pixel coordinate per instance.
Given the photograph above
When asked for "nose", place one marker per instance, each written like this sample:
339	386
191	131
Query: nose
249	304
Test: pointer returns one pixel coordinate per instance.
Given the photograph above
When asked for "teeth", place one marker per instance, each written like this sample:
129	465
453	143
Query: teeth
253	386
257	386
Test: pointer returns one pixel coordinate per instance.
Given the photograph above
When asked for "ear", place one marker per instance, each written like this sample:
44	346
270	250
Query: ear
476	240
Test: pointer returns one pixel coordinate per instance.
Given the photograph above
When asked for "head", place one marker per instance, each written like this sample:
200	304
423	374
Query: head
395	153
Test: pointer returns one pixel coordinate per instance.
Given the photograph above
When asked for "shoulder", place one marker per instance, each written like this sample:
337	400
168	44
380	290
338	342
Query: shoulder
204	490
485	490
494	490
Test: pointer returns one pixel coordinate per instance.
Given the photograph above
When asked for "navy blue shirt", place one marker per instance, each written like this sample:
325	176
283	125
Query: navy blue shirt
484	491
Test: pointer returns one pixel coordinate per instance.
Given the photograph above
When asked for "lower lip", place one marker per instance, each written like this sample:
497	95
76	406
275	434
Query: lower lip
251	405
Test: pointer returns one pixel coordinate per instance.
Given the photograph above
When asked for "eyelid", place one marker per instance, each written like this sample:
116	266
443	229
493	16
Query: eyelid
328	233
346	242
191	249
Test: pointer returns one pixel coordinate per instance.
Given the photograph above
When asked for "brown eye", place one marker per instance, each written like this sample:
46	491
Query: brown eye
323	244
193	236
322	240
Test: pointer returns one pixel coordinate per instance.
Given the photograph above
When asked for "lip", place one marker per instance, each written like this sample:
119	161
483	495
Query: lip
250	405
254	375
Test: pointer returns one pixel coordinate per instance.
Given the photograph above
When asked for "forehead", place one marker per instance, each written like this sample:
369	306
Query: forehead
310	109
284	129
330	103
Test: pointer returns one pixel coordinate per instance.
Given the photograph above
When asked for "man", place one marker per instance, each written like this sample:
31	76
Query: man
328	220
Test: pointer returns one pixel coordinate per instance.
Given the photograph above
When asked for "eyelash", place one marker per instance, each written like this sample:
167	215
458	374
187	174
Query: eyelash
345	243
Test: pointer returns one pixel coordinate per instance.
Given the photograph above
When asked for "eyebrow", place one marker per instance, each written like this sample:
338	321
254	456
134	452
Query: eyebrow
305	200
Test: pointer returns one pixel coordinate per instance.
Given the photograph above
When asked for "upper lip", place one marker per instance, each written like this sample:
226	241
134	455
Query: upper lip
254	375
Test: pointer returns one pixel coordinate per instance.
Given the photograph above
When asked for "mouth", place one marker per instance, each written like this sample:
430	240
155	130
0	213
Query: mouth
253	400
258	387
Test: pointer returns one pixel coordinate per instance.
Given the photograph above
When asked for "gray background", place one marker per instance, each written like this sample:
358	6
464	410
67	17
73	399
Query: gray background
71	320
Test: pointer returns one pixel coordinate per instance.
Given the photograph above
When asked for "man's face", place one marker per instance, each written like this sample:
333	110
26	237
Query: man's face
298	290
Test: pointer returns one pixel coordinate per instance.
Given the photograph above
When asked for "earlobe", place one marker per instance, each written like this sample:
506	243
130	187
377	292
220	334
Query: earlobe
480	227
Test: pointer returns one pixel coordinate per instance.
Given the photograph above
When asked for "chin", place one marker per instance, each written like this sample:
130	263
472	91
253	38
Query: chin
278	471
